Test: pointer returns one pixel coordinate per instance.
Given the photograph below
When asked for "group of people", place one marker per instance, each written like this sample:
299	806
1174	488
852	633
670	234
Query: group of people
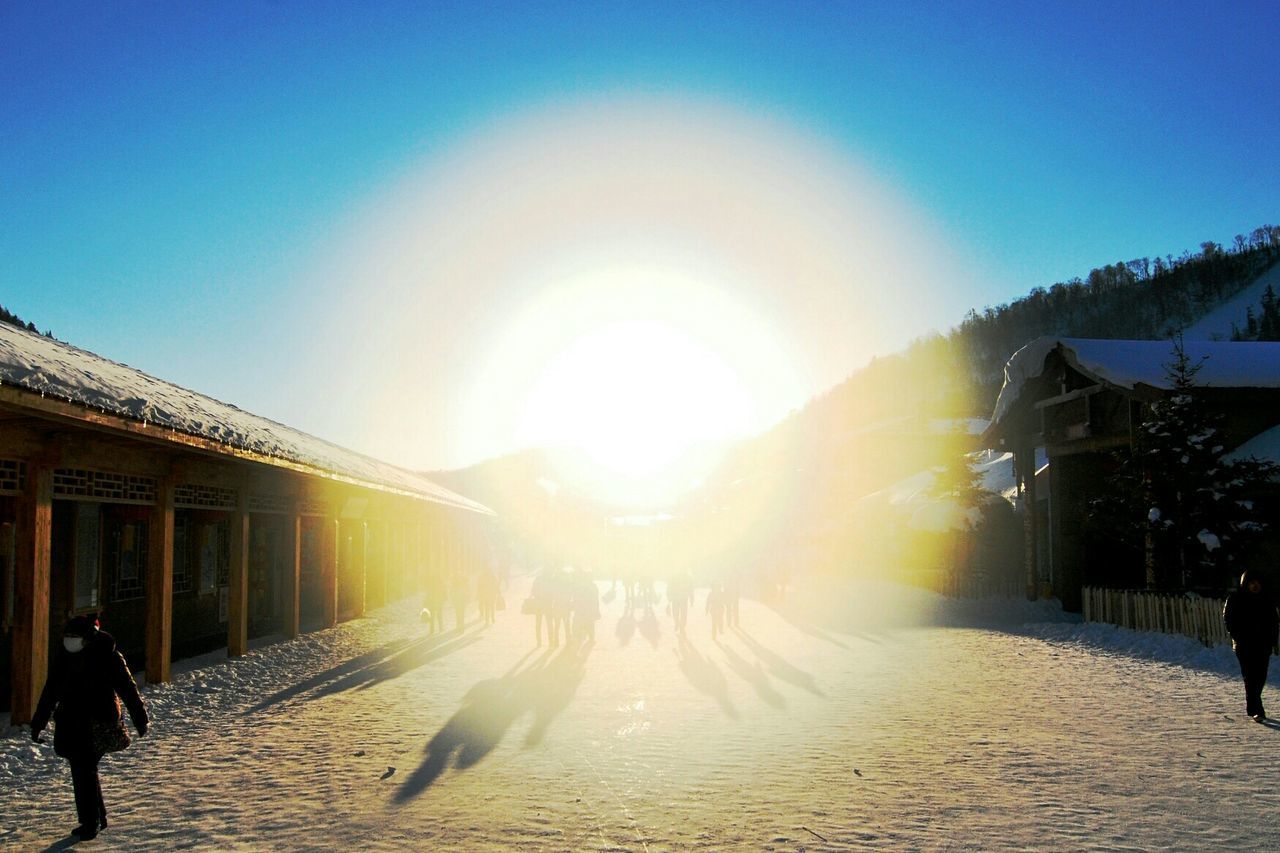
565	600
455	591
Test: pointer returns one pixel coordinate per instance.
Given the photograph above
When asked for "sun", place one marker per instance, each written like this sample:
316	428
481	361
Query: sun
635	397
644	371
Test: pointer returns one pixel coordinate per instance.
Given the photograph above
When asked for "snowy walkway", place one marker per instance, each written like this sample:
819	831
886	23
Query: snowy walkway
789	735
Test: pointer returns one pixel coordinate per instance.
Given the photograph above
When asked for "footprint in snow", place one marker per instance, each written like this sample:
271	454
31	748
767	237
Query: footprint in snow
390	772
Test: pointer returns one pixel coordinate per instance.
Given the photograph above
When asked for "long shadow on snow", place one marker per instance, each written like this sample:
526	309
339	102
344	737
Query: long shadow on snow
753	674
779	668
544	688
389	661
704	675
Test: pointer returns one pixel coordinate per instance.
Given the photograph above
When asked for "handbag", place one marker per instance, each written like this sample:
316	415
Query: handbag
108	735
499	603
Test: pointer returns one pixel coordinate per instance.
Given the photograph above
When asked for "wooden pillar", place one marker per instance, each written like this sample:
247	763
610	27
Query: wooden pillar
238	595
31	593
292	616
398	562
1030	524
160	584
360	566
329	572
419	557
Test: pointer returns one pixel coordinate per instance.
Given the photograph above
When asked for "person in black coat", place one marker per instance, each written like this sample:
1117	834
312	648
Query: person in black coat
1252	622
87	681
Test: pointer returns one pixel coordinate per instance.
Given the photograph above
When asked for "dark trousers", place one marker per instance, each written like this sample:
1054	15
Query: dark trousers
84	780
1253	666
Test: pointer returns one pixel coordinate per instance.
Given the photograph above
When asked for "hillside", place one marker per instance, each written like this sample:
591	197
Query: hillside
899	415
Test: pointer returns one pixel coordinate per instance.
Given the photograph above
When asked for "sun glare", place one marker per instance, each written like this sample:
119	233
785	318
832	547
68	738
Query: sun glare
635	396
643	371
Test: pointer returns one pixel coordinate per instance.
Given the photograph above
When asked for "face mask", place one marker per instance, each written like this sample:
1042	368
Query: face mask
73	644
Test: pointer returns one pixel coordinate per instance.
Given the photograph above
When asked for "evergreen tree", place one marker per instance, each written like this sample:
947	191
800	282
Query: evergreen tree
1198	513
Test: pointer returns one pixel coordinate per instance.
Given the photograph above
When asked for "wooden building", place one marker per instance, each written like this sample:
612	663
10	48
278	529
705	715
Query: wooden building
1075	401
189	524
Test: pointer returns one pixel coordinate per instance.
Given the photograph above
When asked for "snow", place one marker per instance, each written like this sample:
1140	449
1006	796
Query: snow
54	369
854	716
912	497
1216	325
1125	364
1265	446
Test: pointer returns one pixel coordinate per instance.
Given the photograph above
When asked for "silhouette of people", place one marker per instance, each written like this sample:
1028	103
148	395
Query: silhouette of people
487	595
716	609
732	596
559	606
1251	620
538	604
680	596
87	681
433	598
459	596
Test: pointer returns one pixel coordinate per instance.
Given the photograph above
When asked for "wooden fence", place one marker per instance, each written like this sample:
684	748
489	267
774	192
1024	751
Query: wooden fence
1148	611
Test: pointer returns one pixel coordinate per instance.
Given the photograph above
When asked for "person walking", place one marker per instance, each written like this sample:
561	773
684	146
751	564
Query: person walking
487	595
87	681
1252	621
716	609
680	596
436	594
539	604
460	597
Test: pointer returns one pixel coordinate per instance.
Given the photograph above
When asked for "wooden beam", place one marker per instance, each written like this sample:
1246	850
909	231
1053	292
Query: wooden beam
160	584
292	574
31	588
238	595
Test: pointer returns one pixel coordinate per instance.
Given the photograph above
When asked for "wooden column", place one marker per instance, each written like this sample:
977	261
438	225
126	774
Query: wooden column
360	566
292	616
160	584
238	595
329	572
31	593
1030	525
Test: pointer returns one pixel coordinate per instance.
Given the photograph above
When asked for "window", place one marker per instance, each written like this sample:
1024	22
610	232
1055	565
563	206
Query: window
88	545
126	555
181	577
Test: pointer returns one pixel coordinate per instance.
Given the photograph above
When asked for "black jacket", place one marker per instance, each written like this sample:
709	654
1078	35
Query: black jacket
83	687
1251	618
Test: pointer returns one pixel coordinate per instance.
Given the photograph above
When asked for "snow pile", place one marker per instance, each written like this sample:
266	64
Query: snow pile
54	369
1113	641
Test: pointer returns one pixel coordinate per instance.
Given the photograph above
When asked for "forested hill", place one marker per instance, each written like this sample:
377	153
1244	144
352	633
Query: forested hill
7	316
959	374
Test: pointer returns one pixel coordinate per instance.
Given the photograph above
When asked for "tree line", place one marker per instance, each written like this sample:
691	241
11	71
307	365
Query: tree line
7	316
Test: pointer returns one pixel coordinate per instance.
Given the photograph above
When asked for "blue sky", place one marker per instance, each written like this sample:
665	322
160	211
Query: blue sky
172	171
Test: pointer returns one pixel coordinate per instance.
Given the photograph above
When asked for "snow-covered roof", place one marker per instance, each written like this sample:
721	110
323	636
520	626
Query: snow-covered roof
55	369
1125	364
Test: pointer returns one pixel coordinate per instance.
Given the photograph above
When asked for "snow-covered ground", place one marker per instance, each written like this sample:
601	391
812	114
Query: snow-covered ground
863	716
